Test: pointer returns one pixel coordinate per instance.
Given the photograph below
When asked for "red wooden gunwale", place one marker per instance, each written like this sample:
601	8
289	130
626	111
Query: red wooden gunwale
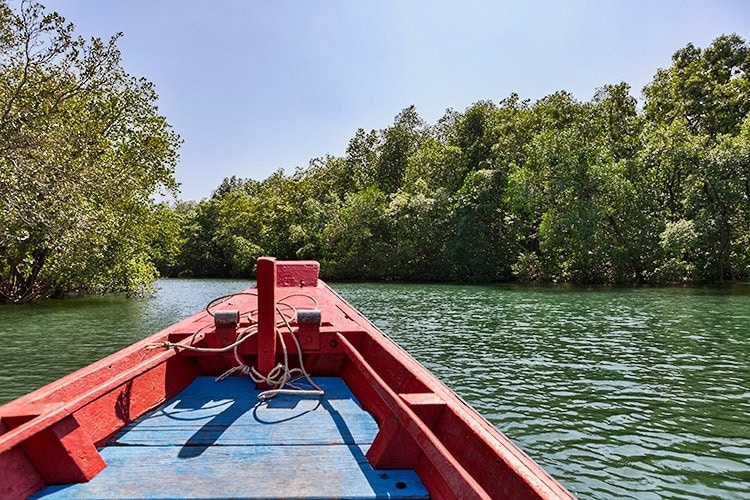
51	435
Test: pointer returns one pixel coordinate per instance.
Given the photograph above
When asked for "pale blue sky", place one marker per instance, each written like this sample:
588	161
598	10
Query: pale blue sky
255	86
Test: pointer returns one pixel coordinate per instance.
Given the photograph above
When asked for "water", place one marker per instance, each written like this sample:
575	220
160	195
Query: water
617	393
42	342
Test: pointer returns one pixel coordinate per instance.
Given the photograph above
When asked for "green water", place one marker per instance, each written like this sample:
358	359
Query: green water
617	393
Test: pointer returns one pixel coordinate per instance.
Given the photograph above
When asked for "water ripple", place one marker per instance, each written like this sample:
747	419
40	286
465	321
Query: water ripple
617	393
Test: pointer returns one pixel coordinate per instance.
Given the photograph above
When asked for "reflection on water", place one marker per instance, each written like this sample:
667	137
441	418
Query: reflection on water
617	393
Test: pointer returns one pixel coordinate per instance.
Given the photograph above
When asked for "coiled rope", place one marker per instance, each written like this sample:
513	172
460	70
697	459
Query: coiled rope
282	379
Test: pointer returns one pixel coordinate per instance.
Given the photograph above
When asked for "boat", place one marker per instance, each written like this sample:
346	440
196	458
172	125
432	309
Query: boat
283	390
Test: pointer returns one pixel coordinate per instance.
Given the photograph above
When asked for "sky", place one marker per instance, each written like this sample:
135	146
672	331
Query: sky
256	86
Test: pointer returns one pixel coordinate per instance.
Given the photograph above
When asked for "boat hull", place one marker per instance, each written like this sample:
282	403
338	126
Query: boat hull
54	435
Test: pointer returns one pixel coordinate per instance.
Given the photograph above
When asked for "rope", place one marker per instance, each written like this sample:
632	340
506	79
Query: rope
281	378
219	300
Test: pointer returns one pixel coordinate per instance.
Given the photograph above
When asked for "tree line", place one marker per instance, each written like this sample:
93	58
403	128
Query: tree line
82	152
558	190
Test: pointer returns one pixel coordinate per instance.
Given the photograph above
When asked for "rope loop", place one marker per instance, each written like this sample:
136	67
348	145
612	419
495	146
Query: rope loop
282	379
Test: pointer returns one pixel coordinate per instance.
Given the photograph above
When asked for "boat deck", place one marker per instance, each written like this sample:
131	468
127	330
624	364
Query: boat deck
216	440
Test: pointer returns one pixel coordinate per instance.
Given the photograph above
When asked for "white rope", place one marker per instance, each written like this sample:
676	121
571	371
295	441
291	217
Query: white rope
286	373
281	378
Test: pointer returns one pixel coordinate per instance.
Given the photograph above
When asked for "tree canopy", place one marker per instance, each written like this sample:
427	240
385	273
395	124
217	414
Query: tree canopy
607	190
560	190
82	151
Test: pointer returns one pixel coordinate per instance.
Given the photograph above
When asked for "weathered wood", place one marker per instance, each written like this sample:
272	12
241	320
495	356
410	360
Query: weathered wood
266	314
20	478
428	406
229	413
462	483
64	453
333	471
422	424
217	440
298	273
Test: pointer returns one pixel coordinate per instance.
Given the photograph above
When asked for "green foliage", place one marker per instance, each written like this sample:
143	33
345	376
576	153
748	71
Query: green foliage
420	226
558	190
164	239
435	165
528	268
708	89
478	240
357	241
554	190
82	151
718	199
679	240
399	143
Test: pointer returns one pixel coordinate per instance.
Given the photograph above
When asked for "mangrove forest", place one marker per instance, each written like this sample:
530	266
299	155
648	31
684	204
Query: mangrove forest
611	190
616	189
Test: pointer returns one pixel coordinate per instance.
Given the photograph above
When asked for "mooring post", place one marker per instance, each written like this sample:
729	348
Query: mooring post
266	285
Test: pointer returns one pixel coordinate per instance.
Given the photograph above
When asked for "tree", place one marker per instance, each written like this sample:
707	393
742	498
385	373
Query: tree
619	120
478	243
164	240
362	159
585	205
437	165
420	224
82	151
698	120
556	190
399	143
718	200
708	89
357	242
471	136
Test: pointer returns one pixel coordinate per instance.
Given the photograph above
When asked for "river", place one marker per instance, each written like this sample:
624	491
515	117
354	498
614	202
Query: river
616	392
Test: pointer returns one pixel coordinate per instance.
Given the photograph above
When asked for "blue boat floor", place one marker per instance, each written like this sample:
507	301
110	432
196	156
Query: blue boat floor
217	440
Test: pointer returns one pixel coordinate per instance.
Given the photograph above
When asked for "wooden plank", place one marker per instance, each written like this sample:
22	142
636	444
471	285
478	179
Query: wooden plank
266	274
229	413
336	471
64	453
298	273
218	440
461	482
262	425
19	478
240	387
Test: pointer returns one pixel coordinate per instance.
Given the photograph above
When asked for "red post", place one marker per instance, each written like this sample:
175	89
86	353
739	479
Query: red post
266	275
